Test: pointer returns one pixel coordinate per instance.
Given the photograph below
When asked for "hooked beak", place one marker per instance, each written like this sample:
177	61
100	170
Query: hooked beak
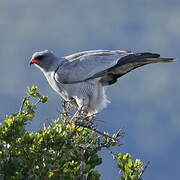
33	61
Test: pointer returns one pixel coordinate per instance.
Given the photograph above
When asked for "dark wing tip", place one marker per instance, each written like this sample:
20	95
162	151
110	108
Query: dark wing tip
147	54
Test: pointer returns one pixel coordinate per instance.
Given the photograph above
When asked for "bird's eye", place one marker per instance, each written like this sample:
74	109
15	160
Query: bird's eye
40	57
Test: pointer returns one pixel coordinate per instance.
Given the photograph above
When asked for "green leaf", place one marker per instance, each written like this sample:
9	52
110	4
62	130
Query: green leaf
44	99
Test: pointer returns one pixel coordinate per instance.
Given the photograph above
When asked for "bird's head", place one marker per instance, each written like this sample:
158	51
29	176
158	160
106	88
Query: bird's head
43	59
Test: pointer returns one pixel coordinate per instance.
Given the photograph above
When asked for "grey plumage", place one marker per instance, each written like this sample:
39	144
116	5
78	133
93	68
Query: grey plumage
81	77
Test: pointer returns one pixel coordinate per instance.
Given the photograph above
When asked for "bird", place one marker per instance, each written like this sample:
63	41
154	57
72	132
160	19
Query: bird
81	78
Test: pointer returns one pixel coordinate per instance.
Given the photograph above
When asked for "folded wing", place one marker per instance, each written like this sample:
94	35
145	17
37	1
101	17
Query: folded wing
106	65
84	65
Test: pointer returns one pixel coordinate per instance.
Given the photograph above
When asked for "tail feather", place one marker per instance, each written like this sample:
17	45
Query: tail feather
159	60
144	58
130	62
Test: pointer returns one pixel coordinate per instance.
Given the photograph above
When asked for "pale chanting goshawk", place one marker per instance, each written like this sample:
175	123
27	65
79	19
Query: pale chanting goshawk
81	77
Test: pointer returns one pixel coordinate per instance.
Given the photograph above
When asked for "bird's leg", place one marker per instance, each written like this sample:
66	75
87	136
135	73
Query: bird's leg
82	109
77	113
70	103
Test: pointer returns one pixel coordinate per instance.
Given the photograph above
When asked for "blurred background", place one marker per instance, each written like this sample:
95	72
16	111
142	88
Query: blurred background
145	102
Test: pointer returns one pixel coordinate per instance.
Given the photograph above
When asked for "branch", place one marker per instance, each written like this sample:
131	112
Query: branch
89	126
22	104
145	167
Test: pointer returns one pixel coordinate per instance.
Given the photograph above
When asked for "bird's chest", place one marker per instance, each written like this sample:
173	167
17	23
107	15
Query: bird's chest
58	87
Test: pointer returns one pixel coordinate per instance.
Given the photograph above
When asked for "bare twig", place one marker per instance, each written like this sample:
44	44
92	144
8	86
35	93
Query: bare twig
86	125
145	167
36	103
115	156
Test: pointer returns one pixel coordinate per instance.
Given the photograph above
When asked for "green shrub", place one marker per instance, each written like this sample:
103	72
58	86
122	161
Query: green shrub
59	150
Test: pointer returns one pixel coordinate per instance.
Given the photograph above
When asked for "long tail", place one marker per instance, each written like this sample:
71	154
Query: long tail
144	58
130	62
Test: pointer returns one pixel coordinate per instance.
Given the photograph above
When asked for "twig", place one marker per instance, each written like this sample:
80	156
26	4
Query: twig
90	146
82	175
99	132
23	148
65	141
145	167
115	156
36	103
103	134
22	104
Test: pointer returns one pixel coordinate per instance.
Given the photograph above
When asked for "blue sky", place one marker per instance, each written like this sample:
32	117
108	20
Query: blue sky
145	102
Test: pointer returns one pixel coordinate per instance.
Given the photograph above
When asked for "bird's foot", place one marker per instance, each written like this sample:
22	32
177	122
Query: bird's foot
81	116
76	115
